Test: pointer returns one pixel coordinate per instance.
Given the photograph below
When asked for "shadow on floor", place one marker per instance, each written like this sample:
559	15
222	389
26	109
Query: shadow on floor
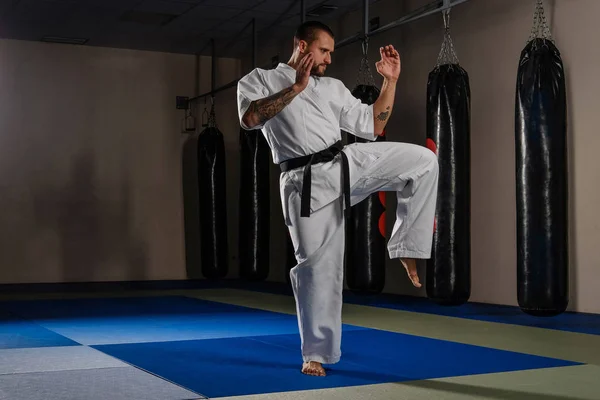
482	392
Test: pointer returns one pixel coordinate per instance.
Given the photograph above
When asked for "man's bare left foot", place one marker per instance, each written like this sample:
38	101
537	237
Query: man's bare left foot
313	368
410	265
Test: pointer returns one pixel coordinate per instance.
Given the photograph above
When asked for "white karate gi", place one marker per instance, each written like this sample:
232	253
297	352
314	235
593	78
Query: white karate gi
313	122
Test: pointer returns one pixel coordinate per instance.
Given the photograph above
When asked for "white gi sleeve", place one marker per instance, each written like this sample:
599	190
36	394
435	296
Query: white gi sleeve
355	117
250	88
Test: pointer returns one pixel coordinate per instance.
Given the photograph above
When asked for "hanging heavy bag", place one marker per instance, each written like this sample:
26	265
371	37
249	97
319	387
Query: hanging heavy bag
365	227
254	206
213	207
541	175
448	277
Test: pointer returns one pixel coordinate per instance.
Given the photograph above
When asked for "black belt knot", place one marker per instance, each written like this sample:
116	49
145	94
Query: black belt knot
319	157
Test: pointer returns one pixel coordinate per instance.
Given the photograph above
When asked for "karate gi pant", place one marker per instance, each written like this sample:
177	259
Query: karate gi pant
411	171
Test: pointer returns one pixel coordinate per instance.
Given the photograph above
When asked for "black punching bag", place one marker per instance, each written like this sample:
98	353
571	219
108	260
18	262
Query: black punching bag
254	206
365	228
541	178
213	208
448	277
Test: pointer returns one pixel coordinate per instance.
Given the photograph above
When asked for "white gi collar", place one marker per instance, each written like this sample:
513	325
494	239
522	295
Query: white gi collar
291	72
286	68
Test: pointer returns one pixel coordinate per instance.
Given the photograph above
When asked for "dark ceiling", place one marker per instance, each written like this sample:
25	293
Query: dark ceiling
178	26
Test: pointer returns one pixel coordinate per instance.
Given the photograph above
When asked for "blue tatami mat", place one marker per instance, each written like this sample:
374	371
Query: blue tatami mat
16	333
122	383
150	307
151	319
268	364
45	359
567	321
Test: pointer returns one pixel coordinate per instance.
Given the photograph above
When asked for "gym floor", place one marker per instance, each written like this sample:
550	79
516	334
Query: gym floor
241	342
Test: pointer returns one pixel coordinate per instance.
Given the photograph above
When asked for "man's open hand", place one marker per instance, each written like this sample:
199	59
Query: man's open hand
389	65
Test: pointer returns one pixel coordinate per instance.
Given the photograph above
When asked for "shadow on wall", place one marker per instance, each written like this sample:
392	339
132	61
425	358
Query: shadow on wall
94	231
189	171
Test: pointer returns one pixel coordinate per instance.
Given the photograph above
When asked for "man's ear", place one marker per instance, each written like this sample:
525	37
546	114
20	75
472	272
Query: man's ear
302	45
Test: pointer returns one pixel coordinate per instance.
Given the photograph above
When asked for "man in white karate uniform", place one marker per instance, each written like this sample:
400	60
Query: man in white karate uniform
301	114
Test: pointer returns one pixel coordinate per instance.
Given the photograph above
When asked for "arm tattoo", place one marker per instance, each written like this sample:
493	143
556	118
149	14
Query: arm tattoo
267	108
384	115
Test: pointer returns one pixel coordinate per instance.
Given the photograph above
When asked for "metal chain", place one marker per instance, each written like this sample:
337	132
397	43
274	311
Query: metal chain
540	28
447	53
212	120
365	77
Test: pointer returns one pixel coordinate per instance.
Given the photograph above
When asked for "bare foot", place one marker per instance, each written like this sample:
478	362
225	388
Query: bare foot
313	368
410	265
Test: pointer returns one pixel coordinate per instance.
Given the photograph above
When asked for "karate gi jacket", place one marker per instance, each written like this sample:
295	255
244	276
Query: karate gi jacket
312	122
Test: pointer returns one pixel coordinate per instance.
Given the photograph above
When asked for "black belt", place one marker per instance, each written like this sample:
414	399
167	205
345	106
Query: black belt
307	161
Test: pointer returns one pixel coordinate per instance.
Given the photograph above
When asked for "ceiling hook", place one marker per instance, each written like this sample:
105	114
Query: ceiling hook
365	46
446	15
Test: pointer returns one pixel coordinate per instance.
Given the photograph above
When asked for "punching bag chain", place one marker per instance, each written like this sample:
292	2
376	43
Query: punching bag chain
212	121
364	72
540	28
447	53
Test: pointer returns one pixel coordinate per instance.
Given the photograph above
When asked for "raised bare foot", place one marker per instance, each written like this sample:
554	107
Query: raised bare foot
313	368
410	265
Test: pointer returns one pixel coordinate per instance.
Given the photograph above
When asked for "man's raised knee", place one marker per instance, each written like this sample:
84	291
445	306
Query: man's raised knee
429	159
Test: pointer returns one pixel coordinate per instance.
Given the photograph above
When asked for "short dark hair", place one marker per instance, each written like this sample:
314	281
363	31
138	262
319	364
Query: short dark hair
308	31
